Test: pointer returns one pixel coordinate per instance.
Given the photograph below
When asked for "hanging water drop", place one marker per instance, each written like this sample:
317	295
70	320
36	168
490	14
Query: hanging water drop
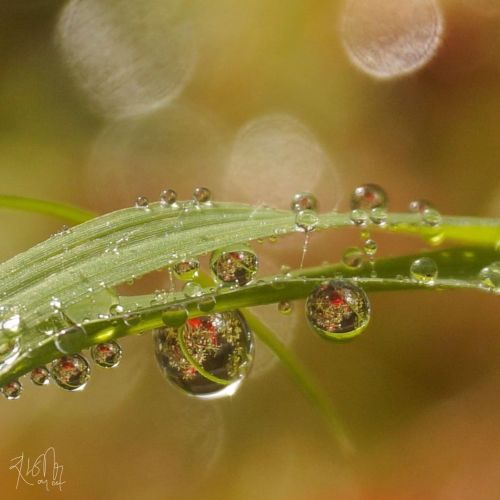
378	216
141	202
71	340
202	195
285	307
490	276
40	375
206	303
338	310
353	258
368	197
10	348
424	270
234	265
71	372
306	220
209	357
304	201
168	198
187	269
12	390
174	316
107	355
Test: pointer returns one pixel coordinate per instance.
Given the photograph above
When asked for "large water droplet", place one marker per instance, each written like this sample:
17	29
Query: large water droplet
359	217
192	289
174	316
368	197
71	372
12	390
424	270
370	247
234	265
419	206
168	198
107	355
40	376
71	340
202	195
304	201
208	357
390	38
206	303
353	258
431	217
187	269
490	276
338	310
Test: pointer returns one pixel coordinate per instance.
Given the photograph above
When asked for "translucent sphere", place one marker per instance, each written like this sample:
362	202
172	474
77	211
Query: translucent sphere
71	372
234	266
208	357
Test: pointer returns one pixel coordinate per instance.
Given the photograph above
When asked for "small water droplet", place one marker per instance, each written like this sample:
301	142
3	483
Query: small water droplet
71	372
209	357
10	321
419	206
168	198
70	341
206	303
234	265
359	217
490	276
285	307
174	316
285	269
141	202
192	289
12	390
107	355
10	348
367	197
338	310
353	258
424	270
378	216
306	220
202	195
370	247
187	269
431	217
116	309
132	319
303	201
40	375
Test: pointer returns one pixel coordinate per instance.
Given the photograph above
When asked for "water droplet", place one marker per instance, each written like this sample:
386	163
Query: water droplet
12	390
141	202
306	220
370	247
187	269
338	310
192	289
174	316
207	303
359	217
285	307
368	197
208	357
202	195
419	206
10	321
71	372
116	309
378	216
391	38
490	276
132	319
431	217
70	341
40	376
168	198
353	258
304	201
107	355
424	270
10	348
234	265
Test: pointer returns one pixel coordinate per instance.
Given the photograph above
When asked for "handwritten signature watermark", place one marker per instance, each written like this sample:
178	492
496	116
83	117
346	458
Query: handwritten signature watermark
43	471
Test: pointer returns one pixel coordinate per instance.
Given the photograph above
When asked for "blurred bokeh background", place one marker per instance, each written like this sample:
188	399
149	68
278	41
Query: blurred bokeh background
105	100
